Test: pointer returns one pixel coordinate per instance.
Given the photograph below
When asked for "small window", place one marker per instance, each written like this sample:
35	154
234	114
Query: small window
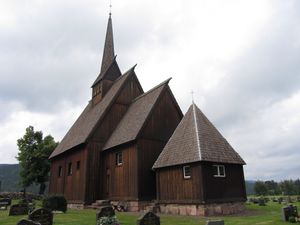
186	172
119	159
70	171
78	165
60	171
219	171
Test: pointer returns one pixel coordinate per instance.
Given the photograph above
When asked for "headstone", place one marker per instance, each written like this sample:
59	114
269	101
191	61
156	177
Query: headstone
261	202
105	211
148	219
215	222
42	215
298	198
280	199
18	209
288	211
27	222
4	202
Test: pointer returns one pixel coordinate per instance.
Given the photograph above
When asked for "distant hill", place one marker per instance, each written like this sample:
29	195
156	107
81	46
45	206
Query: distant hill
250	187
9	177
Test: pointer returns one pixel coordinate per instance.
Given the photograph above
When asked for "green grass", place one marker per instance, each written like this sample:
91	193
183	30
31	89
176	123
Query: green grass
255	215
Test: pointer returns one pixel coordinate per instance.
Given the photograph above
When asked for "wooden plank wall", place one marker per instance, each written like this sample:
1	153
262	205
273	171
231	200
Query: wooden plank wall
229	188
159	127
71	186
96	171
163	120
173	188
148	152
120	182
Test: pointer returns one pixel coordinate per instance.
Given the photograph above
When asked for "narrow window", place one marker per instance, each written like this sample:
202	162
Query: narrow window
78	165
119	159
70	171
186	172
59	171
219	170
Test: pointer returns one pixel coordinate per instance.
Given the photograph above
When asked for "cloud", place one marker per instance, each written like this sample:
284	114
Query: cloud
240	58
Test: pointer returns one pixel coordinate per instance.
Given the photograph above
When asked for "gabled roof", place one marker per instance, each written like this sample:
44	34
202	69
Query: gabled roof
112	72
136	116
196	139
90	117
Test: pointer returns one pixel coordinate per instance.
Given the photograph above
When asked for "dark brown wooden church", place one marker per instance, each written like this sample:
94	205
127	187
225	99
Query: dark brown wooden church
111	148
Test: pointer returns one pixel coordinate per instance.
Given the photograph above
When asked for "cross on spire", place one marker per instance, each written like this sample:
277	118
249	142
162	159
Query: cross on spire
192	93
110	6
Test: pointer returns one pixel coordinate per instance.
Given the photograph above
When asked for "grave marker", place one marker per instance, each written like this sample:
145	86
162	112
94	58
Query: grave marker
4	202
18	209
288	211
105	211
148	219
42	215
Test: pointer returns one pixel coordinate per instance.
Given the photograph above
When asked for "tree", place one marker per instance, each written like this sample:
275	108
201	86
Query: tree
260	188
297	185
272	187
288	187
34	151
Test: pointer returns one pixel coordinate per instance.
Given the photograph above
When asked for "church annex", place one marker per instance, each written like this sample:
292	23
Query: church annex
123	148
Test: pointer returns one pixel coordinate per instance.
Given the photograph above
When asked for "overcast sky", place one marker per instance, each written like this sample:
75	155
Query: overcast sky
241	58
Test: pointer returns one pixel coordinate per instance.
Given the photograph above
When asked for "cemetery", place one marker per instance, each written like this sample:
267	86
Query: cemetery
271	212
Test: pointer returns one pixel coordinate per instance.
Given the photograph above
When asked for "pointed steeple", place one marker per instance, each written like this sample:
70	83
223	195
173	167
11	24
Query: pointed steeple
108	52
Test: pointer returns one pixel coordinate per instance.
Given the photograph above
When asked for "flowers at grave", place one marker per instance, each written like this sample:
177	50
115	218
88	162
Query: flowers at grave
108	220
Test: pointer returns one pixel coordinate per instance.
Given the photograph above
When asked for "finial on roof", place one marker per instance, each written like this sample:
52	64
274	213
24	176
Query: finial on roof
192	93
110	6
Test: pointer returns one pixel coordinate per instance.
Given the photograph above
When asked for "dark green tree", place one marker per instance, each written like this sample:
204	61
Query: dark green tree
272	187
297	185
34	151
288	187
260	188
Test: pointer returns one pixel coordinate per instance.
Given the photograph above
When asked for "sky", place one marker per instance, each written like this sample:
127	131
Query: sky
240	58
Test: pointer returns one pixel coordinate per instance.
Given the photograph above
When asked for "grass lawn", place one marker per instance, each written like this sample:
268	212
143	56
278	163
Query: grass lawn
260	215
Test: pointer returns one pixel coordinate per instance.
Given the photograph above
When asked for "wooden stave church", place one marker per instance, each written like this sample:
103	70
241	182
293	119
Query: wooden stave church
111	148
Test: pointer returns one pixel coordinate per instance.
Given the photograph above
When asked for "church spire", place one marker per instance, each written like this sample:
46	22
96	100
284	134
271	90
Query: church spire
108	52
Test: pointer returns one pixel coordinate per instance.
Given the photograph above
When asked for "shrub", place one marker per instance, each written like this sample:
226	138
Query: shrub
55	203
292	219
107	220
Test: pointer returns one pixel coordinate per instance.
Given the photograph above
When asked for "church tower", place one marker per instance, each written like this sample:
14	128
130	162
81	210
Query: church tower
109	71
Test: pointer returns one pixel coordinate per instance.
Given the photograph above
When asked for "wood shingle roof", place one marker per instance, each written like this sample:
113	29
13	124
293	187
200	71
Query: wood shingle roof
90	117
133	121
196	139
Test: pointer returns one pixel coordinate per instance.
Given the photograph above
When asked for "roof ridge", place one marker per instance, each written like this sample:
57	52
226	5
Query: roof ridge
152	89
197	130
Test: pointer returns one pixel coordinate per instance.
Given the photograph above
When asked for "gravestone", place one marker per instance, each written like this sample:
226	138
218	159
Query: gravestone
288	211
261	202
215	222
298	198
105	211
27	222
18	209
280	200
4	202
148	219
42	215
